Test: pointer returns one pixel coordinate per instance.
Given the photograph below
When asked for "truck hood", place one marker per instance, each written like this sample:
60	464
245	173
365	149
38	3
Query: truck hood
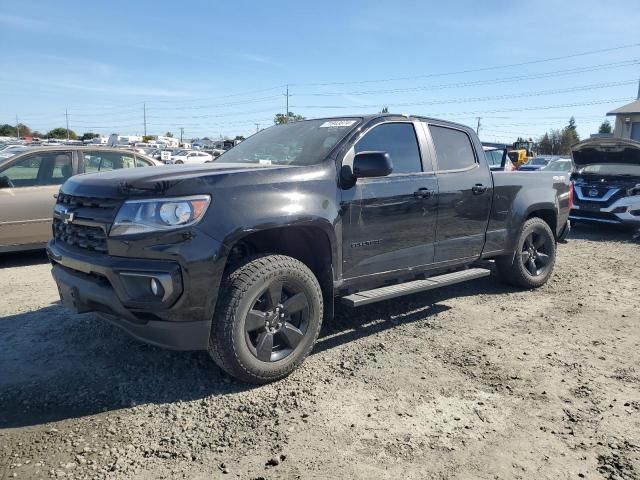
606	150
127	182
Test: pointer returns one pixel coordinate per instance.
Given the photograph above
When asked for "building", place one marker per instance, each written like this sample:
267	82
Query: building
116	140
167	142
628	120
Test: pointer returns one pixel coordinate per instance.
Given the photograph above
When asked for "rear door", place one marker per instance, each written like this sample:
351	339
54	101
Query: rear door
465	192
389	222
26	195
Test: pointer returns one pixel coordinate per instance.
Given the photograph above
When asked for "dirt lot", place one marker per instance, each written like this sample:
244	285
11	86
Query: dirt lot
473	381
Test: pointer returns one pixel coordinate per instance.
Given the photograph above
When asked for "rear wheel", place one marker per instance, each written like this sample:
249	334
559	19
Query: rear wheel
531	265
268	319
179	162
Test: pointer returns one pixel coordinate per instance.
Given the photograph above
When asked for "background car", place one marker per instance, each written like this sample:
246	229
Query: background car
563	165
189	156
536	163
30	179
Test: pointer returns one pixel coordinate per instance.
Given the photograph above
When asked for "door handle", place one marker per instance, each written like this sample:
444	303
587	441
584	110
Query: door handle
423	193
478	188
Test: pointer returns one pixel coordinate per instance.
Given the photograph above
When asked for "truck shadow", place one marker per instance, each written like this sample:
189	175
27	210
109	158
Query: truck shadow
23	259
58	366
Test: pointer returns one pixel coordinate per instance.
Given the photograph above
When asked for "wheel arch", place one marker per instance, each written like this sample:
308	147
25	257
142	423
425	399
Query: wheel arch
312	243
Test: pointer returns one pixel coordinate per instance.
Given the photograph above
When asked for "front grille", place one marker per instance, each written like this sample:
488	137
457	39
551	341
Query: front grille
73	201
81	236
587	199
92	217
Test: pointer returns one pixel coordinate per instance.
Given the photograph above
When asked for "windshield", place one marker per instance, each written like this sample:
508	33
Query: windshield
612	169
300	143
181	153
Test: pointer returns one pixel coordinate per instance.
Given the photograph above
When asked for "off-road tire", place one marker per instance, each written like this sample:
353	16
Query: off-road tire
512	270
227	343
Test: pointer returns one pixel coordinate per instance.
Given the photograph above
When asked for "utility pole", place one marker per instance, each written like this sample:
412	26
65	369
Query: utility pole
144	110
66	114
478	126
181	132
17	126
257	127
287	107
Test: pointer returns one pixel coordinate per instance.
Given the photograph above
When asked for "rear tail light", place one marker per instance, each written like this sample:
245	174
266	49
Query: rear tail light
571	194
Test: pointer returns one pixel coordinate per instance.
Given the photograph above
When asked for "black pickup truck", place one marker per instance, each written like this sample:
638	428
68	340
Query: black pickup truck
245	257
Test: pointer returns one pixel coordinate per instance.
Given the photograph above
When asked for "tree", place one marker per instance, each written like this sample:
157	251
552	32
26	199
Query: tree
37	134
544	145
23	129
239	137
605	127
281	118
568	138
147	138
168	134
572	124
61	133
550	143
385	109
89	136
7	130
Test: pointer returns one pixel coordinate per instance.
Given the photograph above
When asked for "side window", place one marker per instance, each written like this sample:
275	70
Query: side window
453	148
141	162
23	173
39	169
399	141
97	161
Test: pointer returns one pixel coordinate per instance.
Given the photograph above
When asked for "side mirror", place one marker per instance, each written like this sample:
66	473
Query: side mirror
372	164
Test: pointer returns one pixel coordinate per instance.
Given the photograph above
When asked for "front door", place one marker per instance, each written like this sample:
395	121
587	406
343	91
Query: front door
27	189
389	222
465	192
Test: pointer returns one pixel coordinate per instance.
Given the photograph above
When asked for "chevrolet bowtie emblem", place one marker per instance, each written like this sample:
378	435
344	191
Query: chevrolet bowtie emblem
68	216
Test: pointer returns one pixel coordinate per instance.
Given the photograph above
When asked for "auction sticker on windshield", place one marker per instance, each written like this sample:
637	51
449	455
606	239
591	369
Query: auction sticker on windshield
337	123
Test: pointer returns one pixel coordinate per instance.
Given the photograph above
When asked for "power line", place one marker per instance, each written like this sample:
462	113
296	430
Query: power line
475	70
582	88
534	76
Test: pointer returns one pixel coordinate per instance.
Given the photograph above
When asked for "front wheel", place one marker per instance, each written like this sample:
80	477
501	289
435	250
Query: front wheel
531	264
268	319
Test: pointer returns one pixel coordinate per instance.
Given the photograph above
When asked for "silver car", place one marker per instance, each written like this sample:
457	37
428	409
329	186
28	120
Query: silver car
30	179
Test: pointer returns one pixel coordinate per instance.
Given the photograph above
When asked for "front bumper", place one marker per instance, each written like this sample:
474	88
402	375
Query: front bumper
177	316
625	211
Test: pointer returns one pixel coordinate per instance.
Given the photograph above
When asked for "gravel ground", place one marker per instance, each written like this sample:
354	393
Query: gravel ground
473	381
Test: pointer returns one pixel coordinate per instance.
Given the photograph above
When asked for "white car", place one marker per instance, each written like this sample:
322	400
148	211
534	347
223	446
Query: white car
189	156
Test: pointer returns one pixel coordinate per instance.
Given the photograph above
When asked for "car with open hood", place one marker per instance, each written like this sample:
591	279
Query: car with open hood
607	181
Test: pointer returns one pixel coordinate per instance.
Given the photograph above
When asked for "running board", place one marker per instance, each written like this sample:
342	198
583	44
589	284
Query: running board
393	291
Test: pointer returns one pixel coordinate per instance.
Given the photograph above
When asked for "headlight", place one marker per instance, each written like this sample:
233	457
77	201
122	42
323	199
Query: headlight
158	214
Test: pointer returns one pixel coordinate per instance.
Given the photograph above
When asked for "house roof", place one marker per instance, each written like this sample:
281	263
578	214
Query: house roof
633	107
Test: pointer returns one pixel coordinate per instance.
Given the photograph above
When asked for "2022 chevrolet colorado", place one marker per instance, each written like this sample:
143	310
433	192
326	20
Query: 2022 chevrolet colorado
244	257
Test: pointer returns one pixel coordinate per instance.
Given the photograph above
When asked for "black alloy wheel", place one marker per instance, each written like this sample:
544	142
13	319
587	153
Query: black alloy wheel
277	322
535	254
531	263
267	319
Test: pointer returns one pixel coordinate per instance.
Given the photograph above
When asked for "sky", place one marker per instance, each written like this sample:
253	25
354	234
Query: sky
221	67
